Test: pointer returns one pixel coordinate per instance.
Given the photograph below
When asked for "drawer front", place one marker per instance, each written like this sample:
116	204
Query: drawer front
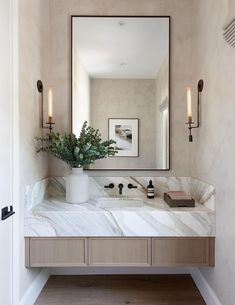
181	251
120	251
51	252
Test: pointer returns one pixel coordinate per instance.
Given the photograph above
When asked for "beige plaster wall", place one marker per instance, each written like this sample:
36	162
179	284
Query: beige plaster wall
213	149
33	65
126	98
181	46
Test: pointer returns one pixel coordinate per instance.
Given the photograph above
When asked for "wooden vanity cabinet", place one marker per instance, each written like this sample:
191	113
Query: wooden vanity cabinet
56	252
185	251
119	251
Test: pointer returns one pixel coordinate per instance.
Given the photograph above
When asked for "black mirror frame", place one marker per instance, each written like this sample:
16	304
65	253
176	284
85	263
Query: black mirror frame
71	46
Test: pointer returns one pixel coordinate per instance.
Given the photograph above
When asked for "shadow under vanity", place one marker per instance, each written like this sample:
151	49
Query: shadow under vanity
153	234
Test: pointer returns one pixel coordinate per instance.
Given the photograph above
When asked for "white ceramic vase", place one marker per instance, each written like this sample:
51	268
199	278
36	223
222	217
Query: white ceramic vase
77	186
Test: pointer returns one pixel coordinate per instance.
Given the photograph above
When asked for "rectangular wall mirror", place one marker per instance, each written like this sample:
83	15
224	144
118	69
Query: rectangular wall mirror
120	85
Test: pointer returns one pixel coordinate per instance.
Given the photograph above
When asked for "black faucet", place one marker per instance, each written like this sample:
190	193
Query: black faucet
120	186
110	186
131	186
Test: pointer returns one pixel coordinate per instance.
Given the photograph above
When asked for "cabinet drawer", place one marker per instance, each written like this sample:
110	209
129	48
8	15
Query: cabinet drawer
51	252
181	251
120	251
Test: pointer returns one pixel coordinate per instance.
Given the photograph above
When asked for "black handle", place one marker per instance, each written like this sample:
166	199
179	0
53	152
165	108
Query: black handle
7	213
131	186
110	186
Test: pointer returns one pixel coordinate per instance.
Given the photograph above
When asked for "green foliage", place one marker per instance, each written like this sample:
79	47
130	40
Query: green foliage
78	152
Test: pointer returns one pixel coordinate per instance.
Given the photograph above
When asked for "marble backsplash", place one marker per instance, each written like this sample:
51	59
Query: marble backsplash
35	193
202	192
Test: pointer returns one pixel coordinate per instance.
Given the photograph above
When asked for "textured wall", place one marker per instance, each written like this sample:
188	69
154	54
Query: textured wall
181	14
213	149
33	65
126	98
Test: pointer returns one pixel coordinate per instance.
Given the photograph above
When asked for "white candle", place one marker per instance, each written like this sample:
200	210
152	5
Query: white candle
189	104
50	104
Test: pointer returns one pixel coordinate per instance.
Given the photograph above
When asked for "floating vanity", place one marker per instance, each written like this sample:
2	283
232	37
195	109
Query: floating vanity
103	232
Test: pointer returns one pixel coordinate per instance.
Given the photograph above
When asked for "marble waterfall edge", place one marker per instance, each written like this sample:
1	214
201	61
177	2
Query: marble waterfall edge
48	214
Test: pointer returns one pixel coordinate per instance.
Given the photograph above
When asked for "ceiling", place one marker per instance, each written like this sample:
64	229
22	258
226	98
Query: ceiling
117	47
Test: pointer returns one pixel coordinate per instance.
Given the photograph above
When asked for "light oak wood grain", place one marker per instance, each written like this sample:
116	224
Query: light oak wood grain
212	252
120	290
27	252
53	252
181	251
119	251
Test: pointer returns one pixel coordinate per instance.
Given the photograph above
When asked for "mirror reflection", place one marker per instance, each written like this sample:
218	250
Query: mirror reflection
120	85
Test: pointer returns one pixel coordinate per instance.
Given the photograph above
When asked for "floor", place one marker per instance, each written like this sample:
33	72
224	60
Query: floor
120	289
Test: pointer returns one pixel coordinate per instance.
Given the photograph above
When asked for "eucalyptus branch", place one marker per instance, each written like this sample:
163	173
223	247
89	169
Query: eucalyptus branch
78	152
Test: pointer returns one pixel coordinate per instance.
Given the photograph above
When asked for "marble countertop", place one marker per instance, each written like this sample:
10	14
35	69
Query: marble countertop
52	216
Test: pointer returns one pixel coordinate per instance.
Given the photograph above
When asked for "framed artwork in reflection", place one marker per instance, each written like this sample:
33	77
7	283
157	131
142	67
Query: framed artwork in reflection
125	132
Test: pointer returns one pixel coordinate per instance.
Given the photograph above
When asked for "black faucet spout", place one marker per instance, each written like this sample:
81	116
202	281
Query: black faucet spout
120	186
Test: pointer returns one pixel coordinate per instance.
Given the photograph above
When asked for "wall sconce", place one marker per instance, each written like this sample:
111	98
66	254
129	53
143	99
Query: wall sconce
50	122
189	108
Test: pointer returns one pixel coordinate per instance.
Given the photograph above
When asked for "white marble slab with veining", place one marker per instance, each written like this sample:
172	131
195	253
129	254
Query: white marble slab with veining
54	217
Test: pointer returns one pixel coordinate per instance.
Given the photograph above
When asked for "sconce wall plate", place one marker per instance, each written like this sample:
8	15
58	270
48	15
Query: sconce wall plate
40	86
190	123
